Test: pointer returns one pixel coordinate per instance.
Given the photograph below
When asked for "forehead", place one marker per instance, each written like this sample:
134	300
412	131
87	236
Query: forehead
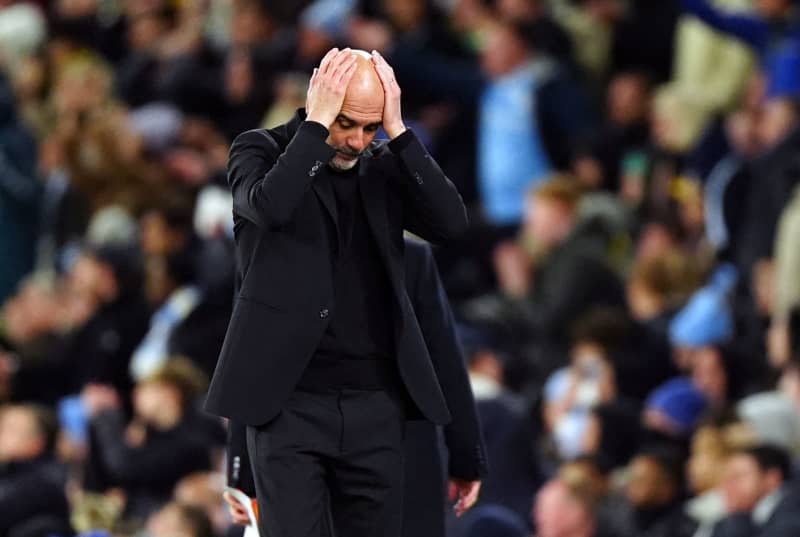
363	111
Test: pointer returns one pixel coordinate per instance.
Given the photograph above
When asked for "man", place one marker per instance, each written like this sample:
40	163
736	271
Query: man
651	503
32	498
757	496
424	494
324	359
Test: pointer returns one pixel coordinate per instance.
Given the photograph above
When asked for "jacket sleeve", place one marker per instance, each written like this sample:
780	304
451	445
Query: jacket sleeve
432	207
463	434
240	474
268	186
749	28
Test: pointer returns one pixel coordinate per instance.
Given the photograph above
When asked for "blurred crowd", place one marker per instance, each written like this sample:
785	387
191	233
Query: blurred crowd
627	294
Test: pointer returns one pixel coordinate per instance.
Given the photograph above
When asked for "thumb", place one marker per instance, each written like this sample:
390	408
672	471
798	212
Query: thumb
452	491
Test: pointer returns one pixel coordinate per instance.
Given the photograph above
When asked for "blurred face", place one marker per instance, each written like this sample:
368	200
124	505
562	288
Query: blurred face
94	280
744	484
558	514
777	120
19	437
709	375
249	25
520	10
772	9
647	486
627	99
156	403
705	465
405	14
503	53
548	222
741	129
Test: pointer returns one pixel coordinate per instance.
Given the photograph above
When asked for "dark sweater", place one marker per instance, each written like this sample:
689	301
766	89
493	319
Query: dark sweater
357	349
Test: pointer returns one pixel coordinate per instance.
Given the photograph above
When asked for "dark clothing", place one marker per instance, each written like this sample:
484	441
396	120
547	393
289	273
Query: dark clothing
149	472
317	443
360	327
20	193
33	501
665	521
784	521
423	504
286	253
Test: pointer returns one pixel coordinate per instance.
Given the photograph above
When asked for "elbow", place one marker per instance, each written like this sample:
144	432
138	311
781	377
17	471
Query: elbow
455	225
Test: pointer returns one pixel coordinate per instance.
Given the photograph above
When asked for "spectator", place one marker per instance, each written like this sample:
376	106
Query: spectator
166	440
19	194
32	483
757	494
564	511
177	519
652	498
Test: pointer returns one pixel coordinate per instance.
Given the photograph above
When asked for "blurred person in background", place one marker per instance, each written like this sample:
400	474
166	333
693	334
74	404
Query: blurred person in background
758	494
651	505
19	194
561	510
33	500
166	440
176	519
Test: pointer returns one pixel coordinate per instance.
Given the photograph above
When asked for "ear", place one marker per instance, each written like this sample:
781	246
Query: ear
773	480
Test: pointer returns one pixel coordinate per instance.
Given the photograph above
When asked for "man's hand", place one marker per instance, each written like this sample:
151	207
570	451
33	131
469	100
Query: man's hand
392	118
328	85
238	511
466	492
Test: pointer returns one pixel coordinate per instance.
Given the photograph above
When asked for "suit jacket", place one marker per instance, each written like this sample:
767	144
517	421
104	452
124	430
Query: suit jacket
282	194
424	486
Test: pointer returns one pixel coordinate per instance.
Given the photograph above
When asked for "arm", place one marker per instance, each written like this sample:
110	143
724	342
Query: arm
749	28
433	208
240	475
463	434
147	465
267	188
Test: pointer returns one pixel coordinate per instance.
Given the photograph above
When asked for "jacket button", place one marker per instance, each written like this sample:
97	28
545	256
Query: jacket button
323	313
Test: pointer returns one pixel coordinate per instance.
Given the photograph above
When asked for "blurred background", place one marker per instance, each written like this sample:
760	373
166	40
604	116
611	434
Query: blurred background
627	295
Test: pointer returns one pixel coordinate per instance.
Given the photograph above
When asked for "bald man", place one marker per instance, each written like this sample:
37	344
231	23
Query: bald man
324	360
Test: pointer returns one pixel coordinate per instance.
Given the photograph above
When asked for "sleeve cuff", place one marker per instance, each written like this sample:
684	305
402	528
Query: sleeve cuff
401	142
312	128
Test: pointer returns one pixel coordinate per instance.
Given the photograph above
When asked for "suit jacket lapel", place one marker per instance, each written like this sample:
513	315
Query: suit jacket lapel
323	188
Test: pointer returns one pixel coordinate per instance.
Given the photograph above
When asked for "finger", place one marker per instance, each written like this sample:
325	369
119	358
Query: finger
339	60
452	491
472	496
347	75
323	65
347	64
313	77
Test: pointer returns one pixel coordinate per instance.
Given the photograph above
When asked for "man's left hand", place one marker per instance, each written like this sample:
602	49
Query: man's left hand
392	118
465	491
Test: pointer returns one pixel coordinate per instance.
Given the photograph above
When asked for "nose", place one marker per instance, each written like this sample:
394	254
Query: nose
356	140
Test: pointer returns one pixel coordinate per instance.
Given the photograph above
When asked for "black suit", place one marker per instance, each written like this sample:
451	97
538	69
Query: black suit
345	439
285	252
424	493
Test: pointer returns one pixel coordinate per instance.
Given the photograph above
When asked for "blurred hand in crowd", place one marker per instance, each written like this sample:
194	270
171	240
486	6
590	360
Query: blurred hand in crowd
513	268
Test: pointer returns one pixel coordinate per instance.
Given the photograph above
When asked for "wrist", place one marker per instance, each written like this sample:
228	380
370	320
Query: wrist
321	119
395	131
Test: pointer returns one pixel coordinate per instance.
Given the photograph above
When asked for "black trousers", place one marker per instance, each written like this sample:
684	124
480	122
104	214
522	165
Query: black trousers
343	446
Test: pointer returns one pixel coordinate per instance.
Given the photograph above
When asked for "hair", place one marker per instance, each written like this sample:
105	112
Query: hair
770	457
178	213
669	461
604	326
196	519
562	189
673	276
181	373
46	424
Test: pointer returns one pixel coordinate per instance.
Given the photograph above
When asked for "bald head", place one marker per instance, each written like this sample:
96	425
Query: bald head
364	95
360	116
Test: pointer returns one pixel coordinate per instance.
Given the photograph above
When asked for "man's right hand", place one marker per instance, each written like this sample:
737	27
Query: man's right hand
328	85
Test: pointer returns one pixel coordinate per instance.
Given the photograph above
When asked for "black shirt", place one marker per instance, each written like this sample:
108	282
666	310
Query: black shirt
361	318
